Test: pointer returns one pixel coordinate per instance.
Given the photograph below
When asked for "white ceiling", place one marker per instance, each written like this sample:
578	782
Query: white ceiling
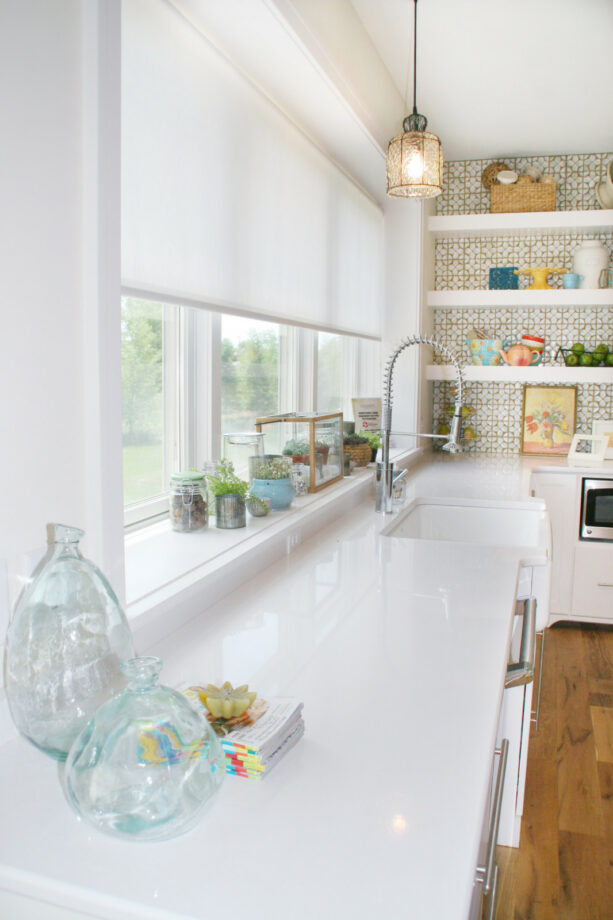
503	77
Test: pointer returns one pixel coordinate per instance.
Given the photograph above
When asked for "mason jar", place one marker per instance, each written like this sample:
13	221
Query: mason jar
188	508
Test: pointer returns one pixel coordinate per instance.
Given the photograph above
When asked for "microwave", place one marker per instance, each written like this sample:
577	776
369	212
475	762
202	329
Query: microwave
596	510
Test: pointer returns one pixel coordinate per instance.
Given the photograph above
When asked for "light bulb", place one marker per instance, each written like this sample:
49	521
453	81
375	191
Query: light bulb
414	165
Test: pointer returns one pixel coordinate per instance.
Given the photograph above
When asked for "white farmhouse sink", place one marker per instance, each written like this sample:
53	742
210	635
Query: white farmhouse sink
504	524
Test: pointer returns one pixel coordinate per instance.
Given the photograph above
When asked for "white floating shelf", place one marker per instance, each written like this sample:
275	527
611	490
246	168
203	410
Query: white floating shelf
521	298
504	374
553	222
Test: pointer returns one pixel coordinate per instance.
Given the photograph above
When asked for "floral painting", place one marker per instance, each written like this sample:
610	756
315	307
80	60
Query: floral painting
548	420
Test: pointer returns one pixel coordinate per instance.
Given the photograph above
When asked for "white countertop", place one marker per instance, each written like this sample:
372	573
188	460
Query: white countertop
398	650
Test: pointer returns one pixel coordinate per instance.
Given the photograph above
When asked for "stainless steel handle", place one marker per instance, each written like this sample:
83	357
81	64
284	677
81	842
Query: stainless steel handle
523	671
493	897
486	875
605	584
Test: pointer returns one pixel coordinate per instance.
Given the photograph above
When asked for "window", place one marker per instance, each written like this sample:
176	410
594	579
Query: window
149	391
190	375
250	372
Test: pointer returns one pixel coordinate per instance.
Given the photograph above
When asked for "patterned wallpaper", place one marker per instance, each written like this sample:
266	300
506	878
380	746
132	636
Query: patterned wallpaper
464	263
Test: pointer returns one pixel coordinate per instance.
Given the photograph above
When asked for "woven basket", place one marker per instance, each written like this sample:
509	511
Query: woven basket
359	453
533	196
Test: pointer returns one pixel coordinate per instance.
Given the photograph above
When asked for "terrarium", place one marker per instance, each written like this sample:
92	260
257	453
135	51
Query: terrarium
309	438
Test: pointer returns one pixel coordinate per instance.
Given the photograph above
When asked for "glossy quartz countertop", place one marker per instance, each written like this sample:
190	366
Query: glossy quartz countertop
398	649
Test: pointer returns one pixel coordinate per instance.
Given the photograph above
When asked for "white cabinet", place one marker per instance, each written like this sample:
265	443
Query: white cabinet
561	494
582	570
593	581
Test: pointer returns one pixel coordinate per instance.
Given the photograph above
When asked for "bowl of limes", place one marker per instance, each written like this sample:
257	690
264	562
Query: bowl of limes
579	356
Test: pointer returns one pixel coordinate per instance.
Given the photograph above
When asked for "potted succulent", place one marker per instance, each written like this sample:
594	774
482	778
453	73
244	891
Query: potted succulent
298	449
258	507
272	479
230	493
357	449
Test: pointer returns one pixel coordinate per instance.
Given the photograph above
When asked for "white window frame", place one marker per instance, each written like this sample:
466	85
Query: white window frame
192	387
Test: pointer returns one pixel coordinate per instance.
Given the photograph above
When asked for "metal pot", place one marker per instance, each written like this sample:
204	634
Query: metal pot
230	511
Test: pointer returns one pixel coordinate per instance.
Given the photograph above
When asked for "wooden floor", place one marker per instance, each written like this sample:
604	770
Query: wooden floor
563	869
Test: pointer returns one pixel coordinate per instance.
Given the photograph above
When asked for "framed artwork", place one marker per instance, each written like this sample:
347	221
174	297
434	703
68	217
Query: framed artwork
605	428
548	420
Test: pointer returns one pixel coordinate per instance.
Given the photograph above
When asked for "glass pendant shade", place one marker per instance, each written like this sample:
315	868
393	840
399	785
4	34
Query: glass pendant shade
415	165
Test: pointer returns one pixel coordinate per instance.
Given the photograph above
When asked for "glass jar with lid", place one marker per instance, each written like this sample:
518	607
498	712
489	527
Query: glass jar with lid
188	505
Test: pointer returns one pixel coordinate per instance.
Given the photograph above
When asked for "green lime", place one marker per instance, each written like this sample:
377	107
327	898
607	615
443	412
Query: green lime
601	350
444	429
571	360
585	360
465	411
609	360
578	348
597	360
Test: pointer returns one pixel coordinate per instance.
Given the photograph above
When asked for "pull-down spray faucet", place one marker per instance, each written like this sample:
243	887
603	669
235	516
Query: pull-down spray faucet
385	469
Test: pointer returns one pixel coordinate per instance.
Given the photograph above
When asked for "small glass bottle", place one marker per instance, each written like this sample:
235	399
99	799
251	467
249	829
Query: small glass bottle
188	505
147	763
64	647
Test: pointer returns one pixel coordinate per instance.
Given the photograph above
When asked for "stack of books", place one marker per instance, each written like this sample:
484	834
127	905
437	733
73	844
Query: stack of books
254	742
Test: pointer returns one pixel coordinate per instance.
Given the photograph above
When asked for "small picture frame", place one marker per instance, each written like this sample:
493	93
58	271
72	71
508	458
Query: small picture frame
549	419
593	457
604	427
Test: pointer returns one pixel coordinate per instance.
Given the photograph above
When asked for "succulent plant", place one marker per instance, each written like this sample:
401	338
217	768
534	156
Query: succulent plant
226	702
296	448
355	440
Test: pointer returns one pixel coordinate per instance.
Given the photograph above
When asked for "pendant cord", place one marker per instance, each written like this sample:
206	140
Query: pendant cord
414	57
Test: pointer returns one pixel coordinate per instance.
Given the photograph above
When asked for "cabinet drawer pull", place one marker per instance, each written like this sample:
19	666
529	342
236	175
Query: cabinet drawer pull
605	584
486	874
523	671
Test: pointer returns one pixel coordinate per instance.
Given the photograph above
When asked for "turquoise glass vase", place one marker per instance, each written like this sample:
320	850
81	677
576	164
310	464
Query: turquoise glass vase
64	647
147	763
280	492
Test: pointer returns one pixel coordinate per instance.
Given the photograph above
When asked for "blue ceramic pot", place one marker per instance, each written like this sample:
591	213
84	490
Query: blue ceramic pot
279	491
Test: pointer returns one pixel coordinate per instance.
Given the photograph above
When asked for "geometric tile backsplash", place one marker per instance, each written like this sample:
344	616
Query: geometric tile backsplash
464	263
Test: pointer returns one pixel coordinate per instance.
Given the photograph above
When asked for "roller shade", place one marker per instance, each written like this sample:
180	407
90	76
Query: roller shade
224	201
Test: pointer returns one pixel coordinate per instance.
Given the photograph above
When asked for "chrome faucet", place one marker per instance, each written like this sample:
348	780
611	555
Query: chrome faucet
385	469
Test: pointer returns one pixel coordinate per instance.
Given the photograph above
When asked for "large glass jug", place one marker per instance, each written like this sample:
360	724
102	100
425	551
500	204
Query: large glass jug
64	647
147	763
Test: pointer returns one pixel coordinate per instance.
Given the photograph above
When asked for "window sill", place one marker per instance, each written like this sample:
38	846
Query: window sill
171	577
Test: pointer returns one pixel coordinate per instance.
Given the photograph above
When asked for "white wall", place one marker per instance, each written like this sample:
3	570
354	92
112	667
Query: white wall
41	463
403	260
49	261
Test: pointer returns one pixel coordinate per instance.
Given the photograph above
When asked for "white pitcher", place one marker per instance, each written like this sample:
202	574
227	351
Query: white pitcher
589	260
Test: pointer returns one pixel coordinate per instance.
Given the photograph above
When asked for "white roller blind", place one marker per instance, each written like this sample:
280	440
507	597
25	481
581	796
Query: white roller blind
225	202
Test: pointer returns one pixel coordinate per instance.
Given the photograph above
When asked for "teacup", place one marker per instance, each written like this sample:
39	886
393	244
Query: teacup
486	352
536	344
571	280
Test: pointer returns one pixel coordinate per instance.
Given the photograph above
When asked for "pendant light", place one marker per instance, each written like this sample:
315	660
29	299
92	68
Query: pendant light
415	158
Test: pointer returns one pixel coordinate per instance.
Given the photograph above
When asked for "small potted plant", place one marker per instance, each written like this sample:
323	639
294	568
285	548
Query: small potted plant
230	493
298	450
272	479
258	507
374	439
357	449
